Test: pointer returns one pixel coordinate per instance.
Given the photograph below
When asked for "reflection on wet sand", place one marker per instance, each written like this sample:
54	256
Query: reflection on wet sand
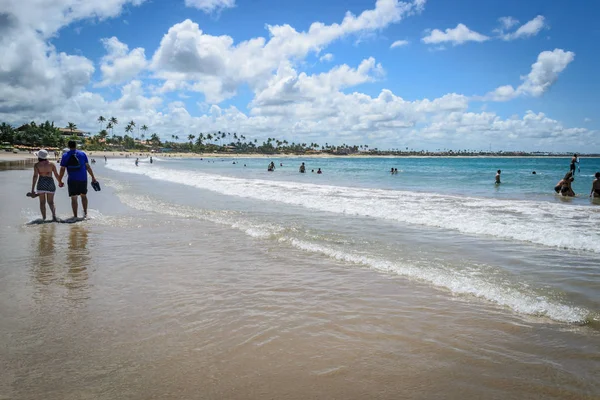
62	260
78	261
45	259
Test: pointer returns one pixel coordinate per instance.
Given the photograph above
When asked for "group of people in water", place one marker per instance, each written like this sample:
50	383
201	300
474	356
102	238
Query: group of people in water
564	186
302	169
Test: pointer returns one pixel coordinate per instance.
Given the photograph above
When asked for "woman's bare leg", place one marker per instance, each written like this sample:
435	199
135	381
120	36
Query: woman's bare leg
43	205
51	205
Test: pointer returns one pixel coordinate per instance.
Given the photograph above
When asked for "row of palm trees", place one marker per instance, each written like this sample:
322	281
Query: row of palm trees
130	127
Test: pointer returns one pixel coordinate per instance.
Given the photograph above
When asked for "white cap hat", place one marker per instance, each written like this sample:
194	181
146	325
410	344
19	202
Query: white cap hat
43	154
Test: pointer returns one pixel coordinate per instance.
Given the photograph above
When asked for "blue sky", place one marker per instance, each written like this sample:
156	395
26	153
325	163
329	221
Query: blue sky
190	72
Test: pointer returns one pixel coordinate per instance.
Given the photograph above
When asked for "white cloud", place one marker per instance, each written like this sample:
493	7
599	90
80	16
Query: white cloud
508	22
120	64
326	57
211	63
530	28
399	43
48	16
459	35
33	75
209	6
544	73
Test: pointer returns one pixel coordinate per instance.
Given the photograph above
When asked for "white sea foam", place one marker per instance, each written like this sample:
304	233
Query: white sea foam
544	223
519	298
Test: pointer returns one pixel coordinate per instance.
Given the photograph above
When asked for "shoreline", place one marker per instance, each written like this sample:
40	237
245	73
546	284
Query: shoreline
25	159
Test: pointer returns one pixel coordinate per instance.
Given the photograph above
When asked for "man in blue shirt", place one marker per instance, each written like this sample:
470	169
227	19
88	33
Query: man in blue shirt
77	166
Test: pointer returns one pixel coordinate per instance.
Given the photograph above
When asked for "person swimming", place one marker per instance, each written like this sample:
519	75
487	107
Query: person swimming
319	171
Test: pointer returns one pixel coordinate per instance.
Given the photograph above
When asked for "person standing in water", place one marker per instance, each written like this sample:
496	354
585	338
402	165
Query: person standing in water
574	161
42	175
302	168
137	160
75	162
498	177
595	193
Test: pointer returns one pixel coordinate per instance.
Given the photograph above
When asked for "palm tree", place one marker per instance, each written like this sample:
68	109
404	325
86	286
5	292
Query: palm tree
133	126
191	139
144	128
111	127
71	126
101	121
113	121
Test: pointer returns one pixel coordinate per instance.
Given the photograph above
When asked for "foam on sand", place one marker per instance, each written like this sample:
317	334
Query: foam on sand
543	223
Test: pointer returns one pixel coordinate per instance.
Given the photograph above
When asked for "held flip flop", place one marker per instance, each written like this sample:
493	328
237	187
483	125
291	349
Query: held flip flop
96	186
32	195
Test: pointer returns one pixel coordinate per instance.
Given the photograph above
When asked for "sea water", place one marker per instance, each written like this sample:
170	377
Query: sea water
439	220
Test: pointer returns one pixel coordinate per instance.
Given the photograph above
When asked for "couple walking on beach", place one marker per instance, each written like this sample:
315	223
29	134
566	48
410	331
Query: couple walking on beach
76	164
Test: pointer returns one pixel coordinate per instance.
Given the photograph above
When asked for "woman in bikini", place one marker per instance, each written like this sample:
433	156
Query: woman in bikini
45	188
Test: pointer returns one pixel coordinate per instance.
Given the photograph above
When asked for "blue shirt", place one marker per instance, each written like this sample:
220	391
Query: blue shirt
77	173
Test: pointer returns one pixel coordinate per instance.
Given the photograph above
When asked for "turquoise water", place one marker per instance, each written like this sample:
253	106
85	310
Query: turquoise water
460	176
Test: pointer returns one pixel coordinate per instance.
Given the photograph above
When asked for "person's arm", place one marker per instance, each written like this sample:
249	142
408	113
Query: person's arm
89	170
35	178
60	176
55	172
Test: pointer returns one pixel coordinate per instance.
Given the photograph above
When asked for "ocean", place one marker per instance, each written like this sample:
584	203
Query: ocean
215	278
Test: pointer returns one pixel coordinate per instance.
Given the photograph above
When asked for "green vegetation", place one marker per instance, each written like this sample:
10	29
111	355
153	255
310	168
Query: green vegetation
135	138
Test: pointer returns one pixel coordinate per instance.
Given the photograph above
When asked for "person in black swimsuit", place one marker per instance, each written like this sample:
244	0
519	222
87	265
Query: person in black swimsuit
595	193
573	162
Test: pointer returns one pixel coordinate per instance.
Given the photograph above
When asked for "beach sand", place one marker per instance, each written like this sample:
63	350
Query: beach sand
143	305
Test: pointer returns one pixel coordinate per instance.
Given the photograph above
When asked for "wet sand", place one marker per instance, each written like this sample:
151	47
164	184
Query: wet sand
139	305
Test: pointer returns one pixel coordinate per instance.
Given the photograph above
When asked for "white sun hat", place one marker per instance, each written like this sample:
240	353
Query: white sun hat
43	154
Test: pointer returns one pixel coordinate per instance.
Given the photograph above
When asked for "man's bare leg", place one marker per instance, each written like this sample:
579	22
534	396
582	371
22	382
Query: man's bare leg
84	203
43	205
74	205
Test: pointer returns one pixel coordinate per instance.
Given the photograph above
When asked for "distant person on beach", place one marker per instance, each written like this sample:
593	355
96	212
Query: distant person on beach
271	167
137	160
105	160
319	171
302	168
596	186
42	175
75	162
574	161
498	177
151	161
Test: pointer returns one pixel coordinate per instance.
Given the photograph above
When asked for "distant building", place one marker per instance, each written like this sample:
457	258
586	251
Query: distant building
75	132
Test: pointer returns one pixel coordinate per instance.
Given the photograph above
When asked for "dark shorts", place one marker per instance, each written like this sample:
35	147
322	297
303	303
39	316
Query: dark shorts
77	187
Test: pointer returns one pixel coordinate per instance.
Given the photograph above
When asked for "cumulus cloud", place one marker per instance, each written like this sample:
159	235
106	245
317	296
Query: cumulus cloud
33	75
209	6
544	73
120	65
459	35
399	43
528	29
188	55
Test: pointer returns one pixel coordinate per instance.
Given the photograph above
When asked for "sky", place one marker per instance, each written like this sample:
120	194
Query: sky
418	74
